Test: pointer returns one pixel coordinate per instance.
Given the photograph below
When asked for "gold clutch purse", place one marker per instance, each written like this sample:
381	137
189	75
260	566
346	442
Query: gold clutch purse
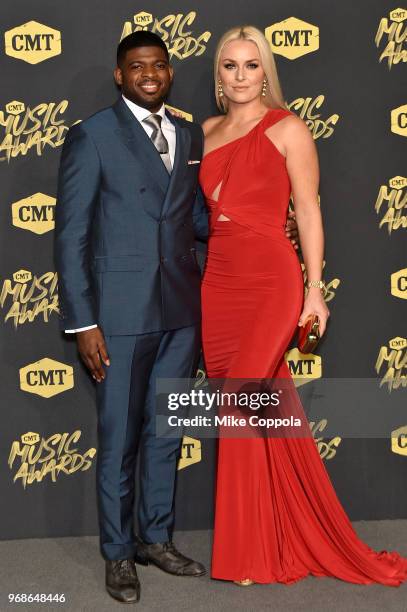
308	336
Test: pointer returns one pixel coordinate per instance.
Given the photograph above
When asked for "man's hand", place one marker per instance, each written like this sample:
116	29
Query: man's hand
291	229
92	349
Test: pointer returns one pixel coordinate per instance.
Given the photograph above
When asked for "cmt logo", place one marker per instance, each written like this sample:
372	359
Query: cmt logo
32	42
391	29
303	368
399	284
35	213
190	452
46	377
392	364
398	182
143	19
22	276
399	440
398	120
30	438
398	343
392	203
398	15
15	107
176	30
293	38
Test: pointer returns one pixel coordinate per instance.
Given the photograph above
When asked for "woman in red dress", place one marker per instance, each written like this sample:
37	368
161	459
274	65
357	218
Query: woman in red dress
277	517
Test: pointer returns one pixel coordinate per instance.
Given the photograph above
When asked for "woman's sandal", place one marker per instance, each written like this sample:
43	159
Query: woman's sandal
245	582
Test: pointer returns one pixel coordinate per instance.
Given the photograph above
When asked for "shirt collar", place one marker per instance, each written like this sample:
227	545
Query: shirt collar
142	113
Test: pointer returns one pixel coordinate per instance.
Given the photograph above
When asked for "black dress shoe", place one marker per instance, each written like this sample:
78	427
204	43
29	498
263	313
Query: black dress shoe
165	556
122	582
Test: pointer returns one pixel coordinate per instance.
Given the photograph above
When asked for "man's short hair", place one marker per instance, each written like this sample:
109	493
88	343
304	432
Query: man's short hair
141	38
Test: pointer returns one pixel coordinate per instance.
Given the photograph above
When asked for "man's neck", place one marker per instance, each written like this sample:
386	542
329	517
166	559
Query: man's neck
138	106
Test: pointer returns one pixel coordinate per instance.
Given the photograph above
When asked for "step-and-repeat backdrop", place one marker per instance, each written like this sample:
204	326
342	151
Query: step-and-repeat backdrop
341	69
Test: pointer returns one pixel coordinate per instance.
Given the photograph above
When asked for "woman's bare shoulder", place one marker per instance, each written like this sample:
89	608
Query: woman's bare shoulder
211	122
291	127
293	124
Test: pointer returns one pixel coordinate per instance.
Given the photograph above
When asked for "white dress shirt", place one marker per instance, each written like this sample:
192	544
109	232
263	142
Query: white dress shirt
168	129
167	126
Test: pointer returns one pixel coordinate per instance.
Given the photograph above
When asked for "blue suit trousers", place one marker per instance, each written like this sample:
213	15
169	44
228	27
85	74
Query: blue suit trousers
126	405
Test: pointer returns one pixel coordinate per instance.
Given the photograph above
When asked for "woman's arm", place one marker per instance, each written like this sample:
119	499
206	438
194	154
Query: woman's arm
303	169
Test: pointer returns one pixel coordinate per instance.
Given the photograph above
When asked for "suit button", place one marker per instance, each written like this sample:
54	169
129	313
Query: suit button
163	259
163	220
142	189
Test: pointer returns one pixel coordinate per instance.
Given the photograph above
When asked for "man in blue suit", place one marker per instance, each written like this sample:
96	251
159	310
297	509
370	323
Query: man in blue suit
127	217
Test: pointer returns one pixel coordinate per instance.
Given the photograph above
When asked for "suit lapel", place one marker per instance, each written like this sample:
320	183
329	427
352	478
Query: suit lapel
139	144
183	140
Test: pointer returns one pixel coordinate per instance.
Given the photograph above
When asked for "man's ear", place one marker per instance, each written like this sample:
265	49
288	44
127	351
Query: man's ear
171	71
118	77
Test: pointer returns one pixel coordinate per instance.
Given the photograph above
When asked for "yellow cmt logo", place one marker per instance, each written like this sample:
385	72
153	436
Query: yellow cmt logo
303	368
143	19
22	276
35	213
176	30
46	377
32	42
392	203
398	120
398	182
399	440
15	107
398	343
393	33
398	15
30	438
190	452
293	38
399	284
393	363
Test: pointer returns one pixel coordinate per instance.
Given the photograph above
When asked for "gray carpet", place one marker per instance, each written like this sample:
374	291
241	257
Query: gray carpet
73	566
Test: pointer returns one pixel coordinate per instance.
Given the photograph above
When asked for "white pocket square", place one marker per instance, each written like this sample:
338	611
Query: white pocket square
194	161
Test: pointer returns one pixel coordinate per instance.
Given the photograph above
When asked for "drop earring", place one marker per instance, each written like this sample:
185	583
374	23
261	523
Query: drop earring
264	88
220	89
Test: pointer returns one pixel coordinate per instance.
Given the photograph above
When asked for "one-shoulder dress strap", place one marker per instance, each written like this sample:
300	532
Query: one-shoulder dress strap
275	115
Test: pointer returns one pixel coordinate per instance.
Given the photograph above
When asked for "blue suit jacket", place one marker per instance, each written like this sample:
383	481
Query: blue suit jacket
125	230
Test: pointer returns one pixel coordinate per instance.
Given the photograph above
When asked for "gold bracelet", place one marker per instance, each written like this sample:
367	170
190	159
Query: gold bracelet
319	284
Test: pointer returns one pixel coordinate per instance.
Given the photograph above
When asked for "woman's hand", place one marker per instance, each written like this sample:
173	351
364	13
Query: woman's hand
314	303
175	112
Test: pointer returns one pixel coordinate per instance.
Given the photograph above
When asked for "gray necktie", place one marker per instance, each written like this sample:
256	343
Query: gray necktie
159	140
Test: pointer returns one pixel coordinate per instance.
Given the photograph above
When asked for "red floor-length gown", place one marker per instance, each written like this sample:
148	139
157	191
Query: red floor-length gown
277	516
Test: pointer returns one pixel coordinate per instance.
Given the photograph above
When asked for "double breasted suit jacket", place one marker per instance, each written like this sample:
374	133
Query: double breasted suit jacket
125	228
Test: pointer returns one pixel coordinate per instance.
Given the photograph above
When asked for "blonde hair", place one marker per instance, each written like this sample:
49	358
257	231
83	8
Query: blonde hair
274	96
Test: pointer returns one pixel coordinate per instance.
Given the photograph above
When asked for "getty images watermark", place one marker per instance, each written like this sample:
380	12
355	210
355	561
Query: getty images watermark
218	400
349	408
230	408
